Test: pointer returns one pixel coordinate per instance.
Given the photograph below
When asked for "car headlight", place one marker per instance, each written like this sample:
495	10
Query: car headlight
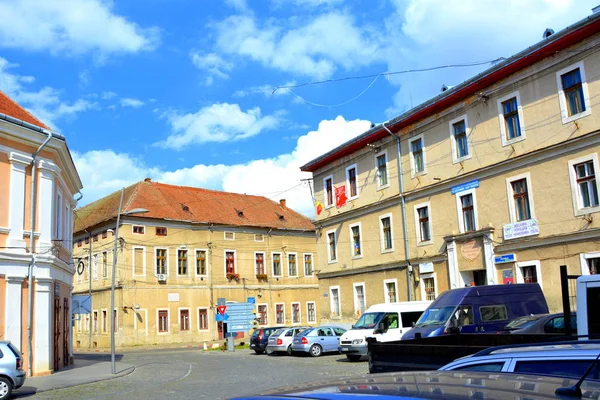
357	341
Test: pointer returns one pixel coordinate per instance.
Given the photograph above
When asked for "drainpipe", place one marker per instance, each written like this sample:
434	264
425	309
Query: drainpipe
32	247
403	207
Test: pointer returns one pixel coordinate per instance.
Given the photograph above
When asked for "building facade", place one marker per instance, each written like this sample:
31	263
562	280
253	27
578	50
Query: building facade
490	182
190	248
35	275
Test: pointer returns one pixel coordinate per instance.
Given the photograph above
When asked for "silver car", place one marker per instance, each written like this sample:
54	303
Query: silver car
281	340
12	375
316	341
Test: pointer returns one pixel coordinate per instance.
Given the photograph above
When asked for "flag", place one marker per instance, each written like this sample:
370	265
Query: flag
320	207
340	196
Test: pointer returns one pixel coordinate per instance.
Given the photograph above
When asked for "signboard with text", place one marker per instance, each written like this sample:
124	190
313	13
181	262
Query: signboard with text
465	186
505	258
520	229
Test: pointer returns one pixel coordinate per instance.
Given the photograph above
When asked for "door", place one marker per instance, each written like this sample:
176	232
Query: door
56	336
66	331
391	325
466	319
328	339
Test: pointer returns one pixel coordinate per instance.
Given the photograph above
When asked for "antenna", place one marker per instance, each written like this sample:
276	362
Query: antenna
575	390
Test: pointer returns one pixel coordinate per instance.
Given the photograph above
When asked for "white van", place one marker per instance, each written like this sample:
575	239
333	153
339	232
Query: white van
394	318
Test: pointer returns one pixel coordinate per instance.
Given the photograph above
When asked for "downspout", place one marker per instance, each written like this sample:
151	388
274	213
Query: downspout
403	207
32	248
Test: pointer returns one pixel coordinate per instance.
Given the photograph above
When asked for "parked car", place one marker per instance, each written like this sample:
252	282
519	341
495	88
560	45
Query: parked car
260	338
566	359
316	341
281	340
12	375
553	324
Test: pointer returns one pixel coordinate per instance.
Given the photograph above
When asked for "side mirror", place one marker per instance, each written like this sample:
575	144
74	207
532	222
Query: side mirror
380	328
352	327
413	324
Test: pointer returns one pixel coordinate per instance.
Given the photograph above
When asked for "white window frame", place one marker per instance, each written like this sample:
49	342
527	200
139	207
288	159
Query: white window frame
360	239
208	319
519	272
455	159
188	261
583	263
154	260
386	296
225	235
235	263
422	278
328	205
511	199
275	309
381	235
331	305
144	313
179	319
95	266
503	137
262	235
387	170
207	264
413	173
292	313
133	249
578	210
420	241
267	312
168	332
312	260
329	260
355	296
264	262
288	264
562	100
280	264
58	216
308	313
136	225
355	167
461	221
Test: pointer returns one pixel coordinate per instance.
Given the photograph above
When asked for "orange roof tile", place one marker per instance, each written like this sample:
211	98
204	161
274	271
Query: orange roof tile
10	107
196	205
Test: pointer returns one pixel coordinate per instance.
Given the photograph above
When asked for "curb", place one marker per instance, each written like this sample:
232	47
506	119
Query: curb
119	375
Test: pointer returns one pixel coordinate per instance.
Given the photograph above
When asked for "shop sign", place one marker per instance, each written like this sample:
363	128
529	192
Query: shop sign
520	229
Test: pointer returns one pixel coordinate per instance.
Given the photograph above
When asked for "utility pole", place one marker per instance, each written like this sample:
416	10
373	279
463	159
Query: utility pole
90	289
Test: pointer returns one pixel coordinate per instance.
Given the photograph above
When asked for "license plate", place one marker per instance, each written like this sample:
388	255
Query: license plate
344	349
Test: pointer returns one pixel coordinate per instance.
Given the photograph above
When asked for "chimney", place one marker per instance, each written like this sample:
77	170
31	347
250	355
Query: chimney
147	180
282	203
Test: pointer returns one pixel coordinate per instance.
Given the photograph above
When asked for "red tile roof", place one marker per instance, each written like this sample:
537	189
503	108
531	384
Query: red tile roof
10	107
196	205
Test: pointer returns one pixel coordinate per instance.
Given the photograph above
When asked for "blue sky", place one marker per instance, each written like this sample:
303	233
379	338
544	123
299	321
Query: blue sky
182	90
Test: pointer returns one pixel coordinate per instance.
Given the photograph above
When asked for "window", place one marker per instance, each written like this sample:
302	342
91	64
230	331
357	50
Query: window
230	262
163	321
280	313
351	181
104	321
360	303
276	264
311	315
104	264
229	236
510	116
331	246
137	229
161	231
484	367
259	262
355	242
104	234
593	265
417	155
589	263
87	240
95	321
423	224
79	243
296	313
387	243
563	368
95	238
292	265
467	219
258	237
529	272
328	189
58	233
262	314
381	164
182	262
184	320
520	201
584	186
308	265
459	140
202	319
200	262
572	93
95	266
336	309
139	261
493	313
390	287
428	285
161	261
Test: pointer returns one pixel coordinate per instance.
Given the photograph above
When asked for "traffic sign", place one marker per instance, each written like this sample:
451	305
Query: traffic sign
251	300
221	301
222	318
239	327
221	309
241	316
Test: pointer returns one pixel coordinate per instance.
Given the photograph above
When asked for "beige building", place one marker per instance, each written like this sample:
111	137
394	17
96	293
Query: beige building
490	182
190	248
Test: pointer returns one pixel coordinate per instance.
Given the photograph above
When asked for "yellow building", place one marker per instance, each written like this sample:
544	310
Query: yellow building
188	248
491	182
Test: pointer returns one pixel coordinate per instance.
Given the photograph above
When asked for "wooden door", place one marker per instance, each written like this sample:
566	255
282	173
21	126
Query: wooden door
66	330
56	333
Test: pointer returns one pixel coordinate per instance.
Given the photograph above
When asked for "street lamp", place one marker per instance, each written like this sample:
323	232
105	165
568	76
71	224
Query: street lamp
112	286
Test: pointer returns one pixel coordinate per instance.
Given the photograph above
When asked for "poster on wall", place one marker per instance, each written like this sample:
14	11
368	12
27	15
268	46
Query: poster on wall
508	277
340	196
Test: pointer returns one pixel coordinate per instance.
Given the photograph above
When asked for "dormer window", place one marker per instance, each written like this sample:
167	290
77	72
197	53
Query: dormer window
229	236
161	231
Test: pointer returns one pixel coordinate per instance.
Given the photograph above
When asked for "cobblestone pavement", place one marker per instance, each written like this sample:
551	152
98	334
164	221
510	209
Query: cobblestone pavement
193	374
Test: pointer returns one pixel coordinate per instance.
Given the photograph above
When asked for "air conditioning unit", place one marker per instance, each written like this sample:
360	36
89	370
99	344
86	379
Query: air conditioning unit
162	277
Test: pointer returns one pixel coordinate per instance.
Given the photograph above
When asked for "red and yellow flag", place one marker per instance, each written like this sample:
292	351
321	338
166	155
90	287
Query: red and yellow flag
320	207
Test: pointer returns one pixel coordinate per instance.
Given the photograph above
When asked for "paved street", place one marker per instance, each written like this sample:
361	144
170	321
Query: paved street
194	374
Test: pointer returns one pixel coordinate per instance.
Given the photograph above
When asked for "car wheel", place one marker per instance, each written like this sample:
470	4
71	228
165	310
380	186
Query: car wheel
6	388
258	351
289	350
353	358
315	350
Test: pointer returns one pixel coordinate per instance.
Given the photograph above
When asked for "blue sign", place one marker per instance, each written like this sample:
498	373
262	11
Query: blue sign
465	186
240	317
252	300
239	327
81	304
221	301
221	318
506	258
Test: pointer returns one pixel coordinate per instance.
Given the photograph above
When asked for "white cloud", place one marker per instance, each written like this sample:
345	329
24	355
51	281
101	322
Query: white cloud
213	64
102	171
216	123
108	95
309	3
84	78
131	102
72	27
239	5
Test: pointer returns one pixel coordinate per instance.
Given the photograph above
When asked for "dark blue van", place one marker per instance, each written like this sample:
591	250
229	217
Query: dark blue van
479	309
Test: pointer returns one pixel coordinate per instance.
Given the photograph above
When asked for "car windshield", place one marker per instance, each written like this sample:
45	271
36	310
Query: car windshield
435	316
368	320
277	332
522	322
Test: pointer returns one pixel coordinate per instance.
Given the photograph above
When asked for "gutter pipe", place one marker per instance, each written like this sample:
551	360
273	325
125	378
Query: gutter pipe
403	207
